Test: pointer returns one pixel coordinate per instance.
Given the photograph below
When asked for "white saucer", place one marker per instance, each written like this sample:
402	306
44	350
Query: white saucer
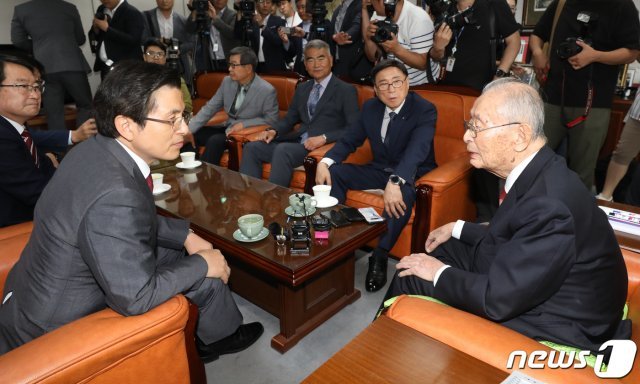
196	164
289	211
238	235
161	189
326	202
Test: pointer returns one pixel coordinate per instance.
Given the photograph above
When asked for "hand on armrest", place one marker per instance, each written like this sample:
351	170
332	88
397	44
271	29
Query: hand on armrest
319	152
248	134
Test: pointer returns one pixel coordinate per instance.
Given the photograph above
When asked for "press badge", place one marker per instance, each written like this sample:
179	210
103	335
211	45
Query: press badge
215	47
451	61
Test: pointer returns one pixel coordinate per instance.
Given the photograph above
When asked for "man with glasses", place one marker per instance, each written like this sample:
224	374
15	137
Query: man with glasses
548	264
155	51
97	241
26	165
247	99
323	107
400	126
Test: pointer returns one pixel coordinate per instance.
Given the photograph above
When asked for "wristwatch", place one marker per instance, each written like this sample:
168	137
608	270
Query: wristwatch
501	73
395	180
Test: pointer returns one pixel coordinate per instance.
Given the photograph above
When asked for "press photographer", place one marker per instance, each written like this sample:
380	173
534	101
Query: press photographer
580	71
400	30
213	23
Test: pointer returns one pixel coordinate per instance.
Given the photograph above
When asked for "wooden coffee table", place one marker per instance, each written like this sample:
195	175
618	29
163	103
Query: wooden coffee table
302	291
390	352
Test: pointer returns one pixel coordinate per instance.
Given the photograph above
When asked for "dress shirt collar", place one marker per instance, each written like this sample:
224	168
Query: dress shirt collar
388	110
111	12
19	127
160	14
517	171
144	167
324	81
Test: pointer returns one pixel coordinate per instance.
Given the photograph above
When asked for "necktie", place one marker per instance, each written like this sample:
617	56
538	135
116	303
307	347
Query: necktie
31	147
150	183
503	195
313	99
385	128
240	98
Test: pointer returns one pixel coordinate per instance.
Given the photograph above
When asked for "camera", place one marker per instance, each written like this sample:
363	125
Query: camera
300	237
569	47
173	53
201	7
286	30
247	9
446	11
319	24
100	15
386	27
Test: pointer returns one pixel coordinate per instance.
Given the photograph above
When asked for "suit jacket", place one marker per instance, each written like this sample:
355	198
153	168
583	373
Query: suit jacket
181	31
122	39
548	265
52	30
260	105
409	148
272	46
351	24
72	266
21	183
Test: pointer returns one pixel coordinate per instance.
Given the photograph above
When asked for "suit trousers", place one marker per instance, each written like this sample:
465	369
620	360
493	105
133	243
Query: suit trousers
214	140
284	157
219	315
361	177
76	84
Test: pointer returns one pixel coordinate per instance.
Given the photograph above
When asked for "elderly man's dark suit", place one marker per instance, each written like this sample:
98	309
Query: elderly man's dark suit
349	63
21	182
406	152
548	264
335	111
123	38
97	242
272	46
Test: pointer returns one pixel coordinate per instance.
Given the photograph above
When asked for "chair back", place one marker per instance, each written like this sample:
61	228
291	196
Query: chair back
12	241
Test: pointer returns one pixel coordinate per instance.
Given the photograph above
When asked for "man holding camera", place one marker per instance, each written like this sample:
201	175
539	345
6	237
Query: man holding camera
215	23
579	74
401	30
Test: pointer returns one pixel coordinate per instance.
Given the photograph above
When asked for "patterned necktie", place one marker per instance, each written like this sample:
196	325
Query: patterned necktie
150	183
314	97
385	130
31	147
239	99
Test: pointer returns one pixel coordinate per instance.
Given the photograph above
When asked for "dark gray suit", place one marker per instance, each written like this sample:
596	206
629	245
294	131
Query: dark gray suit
260	106
336	110
53	31
97	242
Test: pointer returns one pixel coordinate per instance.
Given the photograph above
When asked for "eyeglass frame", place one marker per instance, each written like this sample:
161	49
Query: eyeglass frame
156	55
391	84
185	117
468	126
234	65
38	86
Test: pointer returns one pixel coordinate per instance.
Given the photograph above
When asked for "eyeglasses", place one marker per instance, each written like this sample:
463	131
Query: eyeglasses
155	55
175	123
234	65
395	83
468	125
26	88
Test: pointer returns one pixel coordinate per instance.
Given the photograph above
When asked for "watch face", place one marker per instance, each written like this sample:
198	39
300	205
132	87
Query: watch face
394	179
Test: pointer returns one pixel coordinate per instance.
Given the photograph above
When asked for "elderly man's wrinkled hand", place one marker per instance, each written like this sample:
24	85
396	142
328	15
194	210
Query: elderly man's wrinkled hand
438	236
420	265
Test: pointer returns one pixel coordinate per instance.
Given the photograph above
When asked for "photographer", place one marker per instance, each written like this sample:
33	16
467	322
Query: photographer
346	41
464	48
580	72
217	26
409	43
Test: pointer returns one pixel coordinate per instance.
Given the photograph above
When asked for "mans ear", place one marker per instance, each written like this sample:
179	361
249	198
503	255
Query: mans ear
524	133
125	126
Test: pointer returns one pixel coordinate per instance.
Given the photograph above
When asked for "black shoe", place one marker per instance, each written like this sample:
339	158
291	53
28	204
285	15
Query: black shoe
241	339
376	275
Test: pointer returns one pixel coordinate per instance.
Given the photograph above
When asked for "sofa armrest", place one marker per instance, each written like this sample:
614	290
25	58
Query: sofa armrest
442	196
236	140
483	339
148	348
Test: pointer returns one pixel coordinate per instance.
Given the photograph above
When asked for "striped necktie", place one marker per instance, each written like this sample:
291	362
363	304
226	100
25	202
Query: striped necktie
31	147
150	183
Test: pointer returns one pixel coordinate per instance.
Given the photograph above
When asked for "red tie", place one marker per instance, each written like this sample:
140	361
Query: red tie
503	194
31	147
150	183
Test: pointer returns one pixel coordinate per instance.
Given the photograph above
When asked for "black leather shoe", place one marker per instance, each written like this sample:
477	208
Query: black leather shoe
376	275
241	339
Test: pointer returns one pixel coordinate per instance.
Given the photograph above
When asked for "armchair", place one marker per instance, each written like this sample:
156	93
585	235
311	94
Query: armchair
104	347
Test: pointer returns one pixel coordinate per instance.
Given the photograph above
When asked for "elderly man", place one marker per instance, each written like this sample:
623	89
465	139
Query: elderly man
25	169
400	126
247	99
548	264
97	241
323	107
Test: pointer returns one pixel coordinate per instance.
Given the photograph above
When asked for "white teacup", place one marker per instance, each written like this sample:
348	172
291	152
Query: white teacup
321	192
191	177
188	158
157	180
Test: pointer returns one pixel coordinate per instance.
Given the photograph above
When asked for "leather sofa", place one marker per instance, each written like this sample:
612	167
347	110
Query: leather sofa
442	195
104	347
493	343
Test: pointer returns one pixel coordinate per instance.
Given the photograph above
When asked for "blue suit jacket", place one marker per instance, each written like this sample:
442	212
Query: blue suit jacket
409	151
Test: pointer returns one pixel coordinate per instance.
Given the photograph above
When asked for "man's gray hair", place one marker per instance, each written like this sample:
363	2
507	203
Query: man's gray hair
519	102
317	44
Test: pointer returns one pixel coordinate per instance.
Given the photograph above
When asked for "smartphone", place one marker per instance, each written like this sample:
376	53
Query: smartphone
286	30
352	214
370	215
336	218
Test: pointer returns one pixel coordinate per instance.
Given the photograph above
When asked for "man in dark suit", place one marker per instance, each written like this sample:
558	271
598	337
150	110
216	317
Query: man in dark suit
400	126
264	39
324	107
218	36
548	264
119	34
346	41
52	30
25	166
97	241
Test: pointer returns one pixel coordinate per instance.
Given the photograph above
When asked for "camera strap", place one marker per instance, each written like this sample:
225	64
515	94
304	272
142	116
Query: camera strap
587	108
